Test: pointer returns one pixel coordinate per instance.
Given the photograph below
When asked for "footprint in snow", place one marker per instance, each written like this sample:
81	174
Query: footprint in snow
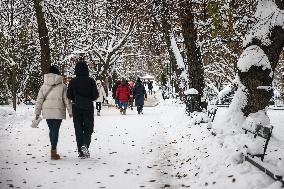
113	153
184	186
10	185
166	186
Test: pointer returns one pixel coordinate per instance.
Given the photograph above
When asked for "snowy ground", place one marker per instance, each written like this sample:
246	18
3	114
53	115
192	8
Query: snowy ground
160	149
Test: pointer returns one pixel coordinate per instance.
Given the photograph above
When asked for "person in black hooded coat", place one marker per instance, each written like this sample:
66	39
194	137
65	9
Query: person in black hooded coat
82	90
139	94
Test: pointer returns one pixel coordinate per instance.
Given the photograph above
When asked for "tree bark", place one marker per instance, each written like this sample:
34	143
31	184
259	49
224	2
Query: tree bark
43	37
258	99
195	66
166	28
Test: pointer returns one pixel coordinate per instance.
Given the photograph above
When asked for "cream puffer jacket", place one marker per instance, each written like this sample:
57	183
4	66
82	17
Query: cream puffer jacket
102	92
56	102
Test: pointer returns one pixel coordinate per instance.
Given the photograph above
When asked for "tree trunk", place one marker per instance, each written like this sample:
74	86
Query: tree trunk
43	36
258	99
14	86
195	66
166	28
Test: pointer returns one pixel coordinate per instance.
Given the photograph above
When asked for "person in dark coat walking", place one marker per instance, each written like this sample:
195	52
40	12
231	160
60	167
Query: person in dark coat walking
150	86
82	90
139	95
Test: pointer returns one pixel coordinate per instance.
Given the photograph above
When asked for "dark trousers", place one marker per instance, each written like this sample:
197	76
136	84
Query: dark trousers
98	106
54	125
84	126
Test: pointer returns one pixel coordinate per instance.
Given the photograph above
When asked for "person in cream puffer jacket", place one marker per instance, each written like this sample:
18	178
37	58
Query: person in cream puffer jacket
53	106
100	99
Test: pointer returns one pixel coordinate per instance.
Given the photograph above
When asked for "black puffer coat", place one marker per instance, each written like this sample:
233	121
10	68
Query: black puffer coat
139	94
82	84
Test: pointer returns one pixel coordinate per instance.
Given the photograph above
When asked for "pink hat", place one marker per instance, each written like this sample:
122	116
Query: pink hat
131	84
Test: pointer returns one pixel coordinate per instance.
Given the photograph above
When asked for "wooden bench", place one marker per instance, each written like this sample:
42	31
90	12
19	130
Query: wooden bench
263	132
259	164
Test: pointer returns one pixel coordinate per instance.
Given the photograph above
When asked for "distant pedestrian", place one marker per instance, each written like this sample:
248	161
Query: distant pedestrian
144	83
140	95
131	99
100	99
82	90
123	95
164	92
150	86
52	103
114	88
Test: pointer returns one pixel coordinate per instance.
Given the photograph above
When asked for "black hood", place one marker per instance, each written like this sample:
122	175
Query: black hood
139	80
81	69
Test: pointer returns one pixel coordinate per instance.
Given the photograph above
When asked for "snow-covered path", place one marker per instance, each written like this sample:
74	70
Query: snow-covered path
160	149
125	153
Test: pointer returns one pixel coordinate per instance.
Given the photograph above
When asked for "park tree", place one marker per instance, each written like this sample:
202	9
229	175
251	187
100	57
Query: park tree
256	65
43	35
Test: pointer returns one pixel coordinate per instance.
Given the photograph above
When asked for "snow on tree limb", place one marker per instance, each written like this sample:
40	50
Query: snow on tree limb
253	56
177	54
268	16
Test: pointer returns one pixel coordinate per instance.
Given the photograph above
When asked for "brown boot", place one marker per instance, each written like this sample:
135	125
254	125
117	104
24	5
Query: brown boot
54	155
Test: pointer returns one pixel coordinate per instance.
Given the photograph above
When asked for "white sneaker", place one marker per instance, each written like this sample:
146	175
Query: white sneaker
85	151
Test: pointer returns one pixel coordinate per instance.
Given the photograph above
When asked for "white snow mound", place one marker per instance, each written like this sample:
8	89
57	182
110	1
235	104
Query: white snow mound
253	56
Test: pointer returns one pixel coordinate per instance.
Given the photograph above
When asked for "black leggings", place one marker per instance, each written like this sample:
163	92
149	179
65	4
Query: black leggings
98	106
54	125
